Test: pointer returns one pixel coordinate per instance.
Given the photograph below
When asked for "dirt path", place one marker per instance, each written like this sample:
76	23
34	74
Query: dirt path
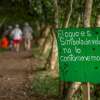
15	76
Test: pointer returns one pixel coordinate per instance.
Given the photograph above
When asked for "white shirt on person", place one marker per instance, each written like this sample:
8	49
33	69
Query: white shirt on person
17	34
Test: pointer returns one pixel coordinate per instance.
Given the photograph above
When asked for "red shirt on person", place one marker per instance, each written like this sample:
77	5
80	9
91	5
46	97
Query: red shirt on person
4	42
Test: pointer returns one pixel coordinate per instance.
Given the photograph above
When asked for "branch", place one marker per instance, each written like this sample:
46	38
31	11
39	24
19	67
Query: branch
69	15
78	21
3	21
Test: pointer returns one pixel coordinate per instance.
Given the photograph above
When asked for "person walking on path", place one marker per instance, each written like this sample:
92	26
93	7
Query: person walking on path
7	33
17	37
27	35
4	43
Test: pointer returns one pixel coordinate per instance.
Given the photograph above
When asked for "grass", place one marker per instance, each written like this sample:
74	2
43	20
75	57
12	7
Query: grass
3	50
43	83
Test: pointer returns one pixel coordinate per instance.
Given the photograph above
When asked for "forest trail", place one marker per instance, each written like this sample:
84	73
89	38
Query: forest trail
16	76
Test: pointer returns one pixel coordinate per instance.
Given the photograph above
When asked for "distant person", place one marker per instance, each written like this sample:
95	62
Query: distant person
7	33
10	28
10	37
5	41
17	37
27	34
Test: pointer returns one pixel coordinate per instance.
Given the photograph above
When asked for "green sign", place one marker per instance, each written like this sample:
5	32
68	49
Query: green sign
79	54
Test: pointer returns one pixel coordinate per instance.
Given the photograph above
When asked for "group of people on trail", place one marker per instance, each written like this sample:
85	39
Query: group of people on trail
13	37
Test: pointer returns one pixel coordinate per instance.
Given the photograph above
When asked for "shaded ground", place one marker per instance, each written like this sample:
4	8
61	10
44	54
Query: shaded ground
16	75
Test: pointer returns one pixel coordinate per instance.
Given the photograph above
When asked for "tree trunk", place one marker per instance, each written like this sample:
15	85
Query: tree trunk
78	21
98	21
46	45
87	12
86	22
53	59
69	91
74	86
56	14
53	55
62	88
44	35
67	18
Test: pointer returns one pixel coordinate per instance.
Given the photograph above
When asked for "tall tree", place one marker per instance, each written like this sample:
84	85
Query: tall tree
67	17
86	22
53	58
87	13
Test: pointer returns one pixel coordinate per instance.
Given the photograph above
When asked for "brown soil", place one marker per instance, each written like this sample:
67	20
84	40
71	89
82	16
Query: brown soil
16	76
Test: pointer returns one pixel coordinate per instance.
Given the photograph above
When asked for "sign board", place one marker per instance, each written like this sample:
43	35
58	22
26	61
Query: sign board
79	54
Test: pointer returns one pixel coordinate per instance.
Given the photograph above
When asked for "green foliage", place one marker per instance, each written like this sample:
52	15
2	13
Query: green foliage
43	83
43	11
